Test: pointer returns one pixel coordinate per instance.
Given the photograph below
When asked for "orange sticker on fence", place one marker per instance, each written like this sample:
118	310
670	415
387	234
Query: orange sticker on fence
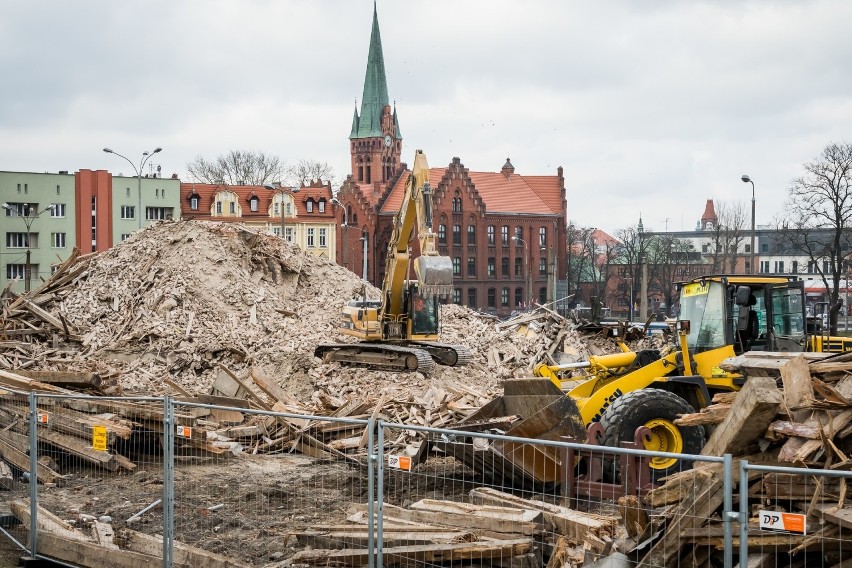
184	431
43	418
399	462
776	520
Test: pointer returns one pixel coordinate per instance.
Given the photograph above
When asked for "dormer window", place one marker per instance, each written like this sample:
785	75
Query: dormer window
194	202
322	205
309	205
254	204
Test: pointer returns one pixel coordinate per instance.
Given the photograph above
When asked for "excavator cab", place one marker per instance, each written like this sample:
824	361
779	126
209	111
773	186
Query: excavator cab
423	312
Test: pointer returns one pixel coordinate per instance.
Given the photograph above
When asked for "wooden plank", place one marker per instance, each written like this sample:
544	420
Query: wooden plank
751	413
570	523
92	555
79	448
512	515
70	379
471	522
503	549
46	521
22	461
183	553
20	382
346	537
7	481
841	517
796	379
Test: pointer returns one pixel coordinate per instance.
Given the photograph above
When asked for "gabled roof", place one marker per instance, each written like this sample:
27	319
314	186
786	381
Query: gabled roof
535	195
206	193
375	96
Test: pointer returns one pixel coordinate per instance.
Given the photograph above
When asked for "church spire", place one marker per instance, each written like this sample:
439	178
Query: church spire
375	97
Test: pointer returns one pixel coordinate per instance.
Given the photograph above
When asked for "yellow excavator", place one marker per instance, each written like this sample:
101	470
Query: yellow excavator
401	330
720	317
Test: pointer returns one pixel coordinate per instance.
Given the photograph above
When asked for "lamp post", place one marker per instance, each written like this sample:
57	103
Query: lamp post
529	272
747	179
282	191
28	221
145	156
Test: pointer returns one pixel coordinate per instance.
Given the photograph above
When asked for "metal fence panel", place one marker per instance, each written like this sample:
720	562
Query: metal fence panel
793	516
270	489
495	500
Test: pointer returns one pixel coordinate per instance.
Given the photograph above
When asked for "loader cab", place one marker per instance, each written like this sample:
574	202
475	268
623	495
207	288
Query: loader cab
747	314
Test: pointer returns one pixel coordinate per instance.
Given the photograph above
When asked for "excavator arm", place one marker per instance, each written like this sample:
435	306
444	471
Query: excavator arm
434	272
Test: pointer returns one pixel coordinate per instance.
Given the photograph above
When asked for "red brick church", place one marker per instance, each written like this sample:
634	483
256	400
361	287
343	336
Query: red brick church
505	232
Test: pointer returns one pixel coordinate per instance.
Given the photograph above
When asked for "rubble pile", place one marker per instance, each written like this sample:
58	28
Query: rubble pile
181	299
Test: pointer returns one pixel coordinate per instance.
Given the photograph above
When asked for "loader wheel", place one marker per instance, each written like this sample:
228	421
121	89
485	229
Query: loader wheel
655	409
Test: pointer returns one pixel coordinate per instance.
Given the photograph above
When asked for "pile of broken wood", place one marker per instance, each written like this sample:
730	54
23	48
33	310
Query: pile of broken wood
806	423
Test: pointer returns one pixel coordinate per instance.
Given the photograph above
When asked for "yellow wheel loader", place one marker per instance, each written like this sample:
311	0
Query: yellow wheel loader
401	330
720	317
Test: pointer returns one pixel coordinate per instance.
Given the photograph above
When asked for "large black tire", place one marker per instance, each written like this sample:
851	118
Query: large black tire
656	409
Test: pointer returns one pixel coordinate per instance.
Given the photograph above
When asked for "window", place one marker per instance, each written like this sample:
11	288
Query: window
471	297
58	210
519	296
193	203
128	212
504	267
504	297
218	207
779	266
20	209
288	234
542	265
442	234
57	190
748	247
322	205
764	247
128	192
542	236
519	232
457	235
471	266
456	266
125	236
57	240
311	237
764	267
457	295
542	295
289	209
504	235
491	268
232	207
471	235
322	237
253	204
519	266
17	240
491	235
492	298
457	205
794	269
310	205
160	213
15	271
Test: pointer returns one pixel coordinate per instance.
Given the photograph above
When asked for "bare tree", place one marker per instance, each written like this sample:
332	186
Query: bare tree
238	167
728	234
305	171
819	217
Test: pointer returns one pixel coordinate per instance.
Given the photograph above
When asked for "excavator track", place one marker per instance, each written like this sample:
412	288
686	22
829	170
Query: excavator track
446	353
377	356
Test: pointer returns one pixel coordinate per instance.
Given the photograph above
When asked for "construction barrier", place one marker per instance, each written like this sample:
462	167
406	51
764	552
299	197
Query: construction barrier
277	487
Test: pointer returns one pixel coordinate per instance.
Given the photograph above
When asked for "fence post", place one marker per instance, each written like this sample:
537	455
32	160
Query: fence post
168	481
380	514
371	479
33	417
728	516
744	513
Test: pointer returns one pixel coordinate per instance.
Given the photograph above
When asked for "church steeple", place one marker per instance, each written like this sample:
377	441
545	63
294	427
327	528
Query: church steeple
375	96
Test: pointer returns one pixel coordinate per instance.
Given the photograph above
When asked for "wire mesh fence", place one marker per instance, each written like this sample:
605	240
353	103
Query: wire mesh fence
182	484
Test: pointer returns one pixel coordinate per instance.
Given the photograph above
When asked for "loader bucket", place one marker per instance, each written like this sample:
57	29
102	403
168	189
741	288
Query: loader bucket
545	412
434	275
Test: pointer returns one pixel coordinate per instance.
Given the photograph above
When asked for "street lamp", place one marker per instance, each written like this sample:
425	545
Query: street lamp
28	221
747	179
282	191
529	272
145	156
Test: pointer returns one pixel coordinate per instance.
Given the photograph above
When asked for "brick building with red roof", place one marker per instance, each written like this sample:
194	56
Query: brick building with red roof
505	232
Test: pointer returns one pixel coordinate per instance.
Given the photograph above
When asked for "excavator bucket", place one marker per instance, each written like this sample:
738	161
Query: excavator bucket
529	408
434	275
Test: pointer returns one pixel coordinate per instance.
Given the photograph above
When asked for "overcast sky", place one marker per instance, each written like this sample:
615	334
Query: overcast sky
649	106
